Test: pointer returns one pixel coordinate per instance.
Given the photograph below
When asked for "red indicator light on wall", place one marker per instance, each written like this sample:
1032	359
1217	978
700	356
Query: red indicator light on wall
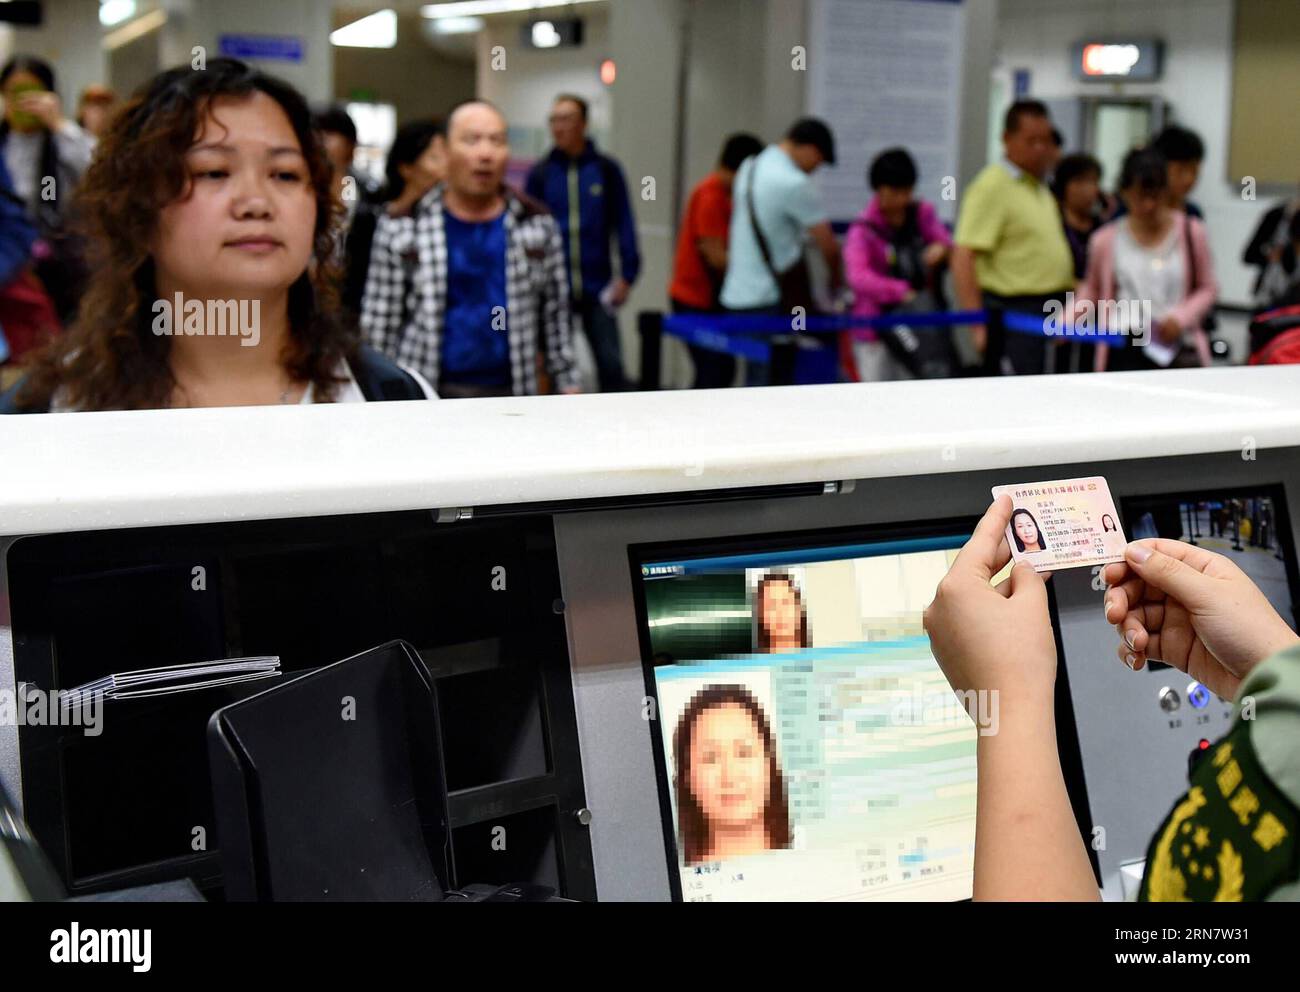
1109	60
608	71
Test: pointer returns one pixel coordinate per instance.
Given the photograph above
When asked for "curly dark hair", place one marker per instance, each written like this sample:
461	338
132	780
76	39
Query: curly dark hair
110	359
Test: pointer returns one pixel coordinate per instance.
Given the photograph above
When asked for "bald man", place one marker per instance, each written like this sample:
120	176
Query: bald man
465	288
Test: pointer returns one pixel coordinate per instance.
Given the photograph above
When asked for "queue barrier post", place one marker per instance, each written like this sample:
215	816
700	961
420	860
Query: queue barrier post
995	341
784	354
650	325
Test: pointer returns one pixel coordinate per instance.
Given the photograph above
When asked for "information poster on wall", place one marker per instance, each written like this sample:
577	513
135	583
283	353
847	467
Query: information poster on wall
886	73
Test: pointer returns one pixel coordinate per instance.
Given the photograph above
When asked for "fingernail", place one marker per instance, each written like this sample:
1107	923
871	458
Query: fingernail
1129	637
1130	660
1138	552
1107	605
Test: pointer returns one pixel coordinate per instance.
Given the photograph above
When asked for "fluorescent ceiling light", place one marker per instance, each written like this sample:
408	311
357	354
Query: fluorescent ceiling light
458	25
115	11
545	35
138	28
472	8
377	30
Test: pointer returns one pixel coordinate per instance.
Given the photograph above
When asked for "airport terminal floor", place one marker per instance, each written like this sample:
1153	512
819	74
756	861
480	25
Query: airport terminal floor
652	452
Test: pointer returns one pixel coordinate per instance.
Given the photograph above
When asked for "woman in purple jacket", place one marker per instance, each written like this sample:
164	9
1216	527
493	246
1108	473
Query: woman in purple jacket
892	255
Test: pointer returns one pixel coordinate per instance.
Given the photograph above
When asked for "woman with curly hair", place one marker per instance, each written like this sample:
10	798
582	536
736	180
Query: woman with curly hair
209	226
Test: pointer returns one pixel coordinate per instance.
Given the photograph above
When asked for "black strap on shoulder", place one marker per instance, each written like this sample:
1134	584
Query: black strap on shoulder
753	222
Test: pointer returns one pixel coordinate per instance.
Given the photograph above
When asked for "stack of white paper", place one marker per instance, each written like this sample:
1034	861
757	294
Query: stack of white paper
172	678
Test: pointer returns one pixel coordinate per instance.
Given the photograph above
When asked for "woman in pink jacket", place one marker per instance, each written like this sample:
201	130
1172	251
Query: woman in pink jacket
892	255
1149	275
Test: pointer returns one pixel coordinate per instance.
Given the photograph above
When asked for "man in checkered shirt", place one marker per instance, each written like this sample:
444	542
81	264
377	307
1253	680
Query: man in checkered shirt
466	288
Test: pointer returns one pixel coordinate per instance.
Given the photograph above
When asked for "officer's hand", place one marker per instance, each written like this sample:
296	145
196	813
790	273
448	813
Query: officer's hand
1193	609
993	638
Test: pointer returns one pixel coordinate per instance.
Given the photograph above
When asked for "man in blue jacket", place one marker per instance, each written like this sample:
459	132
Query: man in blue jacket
588	195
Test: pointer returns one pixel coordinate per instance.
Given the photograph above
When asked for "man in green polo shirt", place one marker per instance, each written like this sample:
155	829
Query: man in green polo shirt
1011	252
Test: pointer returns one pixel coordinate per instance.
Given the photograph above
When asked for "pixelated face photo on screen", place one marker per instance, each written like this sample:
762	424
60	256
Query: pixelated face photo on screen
811	743
780	618
729	792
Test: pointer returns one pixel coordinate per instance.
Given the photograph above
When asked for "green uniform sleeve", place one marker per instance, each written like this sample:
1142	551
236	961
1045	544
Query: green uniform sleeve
1233	836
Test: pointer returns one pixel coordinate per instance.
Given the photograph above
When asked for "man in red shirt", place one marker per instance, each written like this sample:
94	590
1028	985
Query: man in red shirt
701	259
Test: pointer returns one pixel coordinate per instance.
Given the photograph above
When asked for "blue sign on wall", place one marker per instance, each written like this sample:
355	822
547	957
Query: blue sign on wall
277	47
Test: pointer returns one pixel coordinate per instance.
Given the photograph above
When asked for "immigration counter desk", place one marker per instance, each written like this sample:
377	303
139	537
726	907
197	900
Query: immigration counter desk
649	646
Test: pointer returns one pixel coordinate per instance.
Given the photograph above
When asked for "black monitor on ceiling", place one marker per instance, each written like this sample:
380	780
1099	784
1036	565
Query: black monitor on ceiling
25	13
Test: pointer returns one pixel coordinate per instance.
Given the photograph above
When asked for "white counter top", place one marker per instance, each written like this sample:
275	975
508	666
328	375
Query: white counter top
89	471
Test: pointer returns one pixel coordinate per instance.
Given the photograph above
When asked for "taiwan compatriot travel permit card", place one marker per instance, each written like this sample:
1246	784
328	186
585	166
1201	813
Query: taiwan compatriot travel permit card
1066	523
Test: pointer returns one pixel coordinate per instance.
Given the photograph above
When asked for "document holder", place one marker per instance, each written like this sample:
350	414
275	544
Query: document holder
330	786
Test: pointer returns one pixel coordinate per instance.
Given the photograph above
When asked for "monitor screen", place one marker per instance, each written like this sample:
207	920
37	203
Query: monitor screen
1247	526
809	747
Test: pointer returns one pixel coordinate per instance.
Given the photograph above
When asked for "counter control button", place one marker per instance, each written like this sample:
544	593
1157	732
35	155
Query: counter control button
1198	695
1169	699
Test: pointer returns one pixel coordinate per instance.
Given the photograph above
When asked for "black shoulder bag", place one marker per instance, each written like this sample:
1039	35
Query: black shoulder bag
795	283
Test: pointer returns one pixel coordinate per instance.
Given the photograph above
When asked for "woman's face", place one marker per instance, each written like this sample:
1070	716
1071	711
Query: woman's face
95	116
427	170
1026	530
780	611
245	225
729	767
1144	204
894	199
1081	192
15	86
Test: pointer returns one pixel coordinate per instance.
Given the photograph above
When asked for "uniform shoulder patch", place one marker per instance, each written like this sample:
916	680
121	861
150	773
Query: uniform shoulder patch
1232	838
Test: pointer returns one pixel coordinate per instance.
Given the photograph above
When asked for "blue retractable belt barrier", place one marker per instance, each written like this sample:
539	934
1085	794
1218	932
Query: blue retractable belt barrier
747	323
702	334
732	332
1032	324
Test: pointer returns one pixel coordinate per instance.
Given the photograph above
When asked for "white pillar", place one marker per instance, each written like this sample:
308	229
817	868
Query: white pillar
646	46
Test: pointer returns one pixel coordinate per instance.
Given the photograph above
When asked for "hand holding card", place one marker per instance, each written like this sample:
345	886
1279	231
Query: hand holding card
1066	523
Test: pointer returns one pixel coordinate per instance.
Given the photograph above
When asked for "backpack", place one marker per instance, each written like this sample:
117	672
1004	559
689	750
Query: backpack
1275	337
927	353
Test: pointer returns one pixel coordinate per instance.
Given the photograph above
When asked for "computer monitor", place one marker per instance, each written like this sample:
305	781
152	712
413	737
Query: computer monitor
807	745
1249	526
